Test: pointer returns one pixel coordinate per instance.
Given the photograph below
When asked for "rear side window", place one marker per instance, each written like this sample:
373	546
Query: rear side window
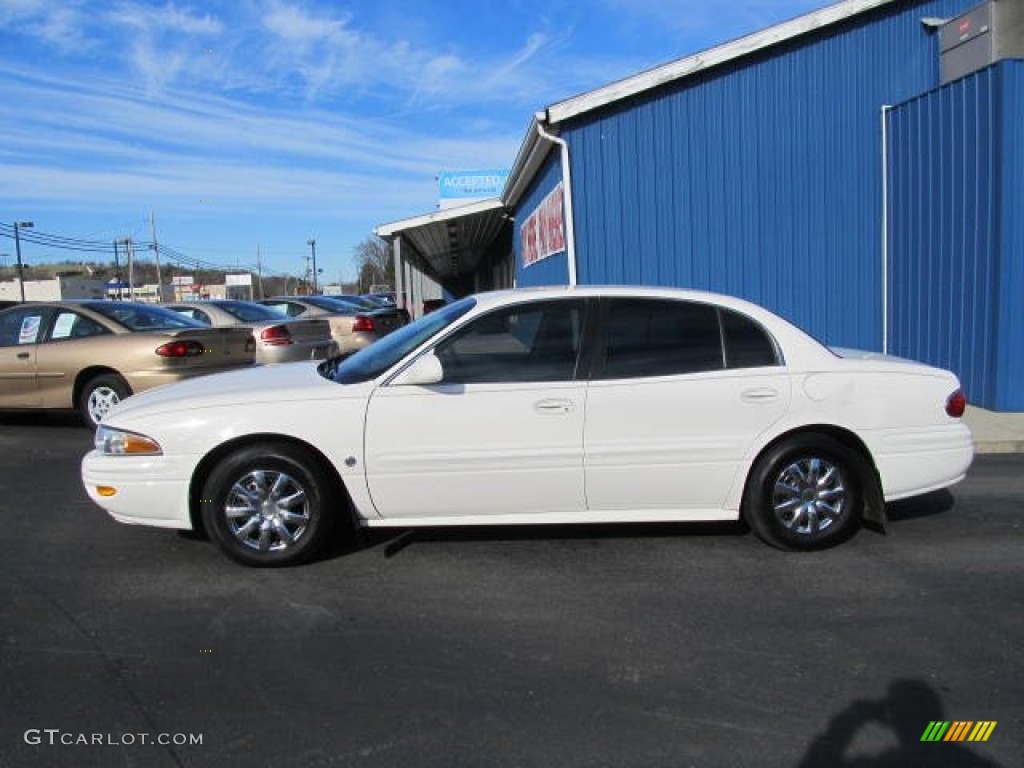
651	337
747	344
71	325
286	308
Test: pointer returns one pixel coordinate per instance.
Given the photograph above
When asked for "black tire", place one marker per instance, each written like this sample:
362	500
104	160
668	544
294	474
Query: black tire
285	505
806	493
99	395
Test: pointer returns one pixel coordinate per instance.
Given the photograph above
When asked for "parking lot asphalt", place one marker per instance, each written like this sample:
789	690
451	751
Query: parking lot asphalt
666	645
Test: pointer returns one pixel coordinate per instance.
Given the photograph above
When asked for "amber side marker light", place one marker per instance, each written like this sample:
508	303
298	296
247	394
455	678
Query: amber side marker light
106	490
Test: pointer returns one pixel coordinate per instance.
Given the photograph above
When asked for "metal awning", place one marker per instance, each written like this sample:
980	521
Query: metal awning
451	241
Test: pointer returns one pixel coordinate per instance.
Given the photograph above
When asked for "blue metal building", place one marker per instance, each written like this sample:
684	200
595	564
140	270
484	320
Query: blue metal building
821	168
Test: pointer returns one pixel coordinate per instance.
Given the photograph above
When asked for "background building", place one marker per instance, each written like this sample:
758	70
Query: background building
859	170
56	289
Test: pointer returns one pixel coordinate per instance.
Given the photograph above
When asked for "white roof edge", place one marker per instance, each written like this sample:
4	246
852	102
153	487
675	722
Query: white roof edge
674	70
480	206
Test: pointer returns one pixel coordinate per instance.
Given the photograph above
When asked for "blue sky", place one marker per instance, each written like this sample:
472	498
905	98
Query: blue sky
268	122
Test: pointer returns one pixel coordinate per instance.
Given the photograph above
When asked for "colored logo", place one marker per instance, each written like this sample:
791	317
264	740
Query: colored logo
958	730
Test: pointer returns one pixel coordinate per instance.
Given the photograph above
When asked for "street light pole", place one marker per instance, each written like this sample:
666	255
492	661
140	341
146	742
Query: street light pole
17	248
312	244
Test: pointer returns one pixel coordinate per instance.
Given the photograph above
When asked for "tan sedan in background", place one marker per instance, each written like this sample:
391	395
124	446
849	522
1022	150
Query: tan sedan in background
278	338
90	355
354	324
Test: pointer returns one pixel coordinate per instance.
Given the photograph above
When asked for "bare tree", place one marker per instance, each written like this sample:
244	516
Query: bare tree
375	263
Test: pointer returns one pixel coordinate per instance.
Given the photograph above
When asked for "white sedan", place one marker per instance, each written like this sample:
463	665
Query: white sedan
556	405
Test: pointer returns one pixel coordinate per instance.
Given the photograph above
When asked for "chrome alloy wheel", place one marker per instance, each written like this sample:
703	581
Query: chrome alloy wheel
101	400
809	496
267	511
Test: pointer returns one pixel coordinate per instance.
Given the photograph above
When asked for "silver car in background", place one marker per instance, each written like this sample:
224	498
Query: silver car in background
279	338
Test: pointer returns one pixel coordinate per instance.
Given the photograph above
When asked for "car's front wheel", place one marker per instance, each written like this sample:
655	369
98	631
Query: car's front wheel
806	492
269	505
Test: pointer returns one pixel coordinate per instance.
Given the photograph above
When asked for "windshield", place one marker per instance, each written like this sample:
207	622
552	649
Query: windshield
372	361
142	317
248	313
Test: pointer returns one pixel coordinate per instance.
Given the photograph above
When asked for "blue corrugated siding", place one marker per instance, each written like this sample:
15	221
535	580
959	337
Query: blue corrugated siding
942	233
1010	353
553	270
761	178
957	236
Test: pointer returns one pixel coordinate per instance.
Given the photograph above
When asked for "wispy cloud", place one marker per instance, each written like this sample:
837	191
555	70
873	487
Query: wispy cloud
166	41
183	147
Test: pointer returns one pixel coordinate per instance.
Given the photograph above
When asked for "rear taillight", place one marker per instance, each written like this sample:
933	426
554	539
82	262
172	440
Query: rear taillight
180	349
276	336
956	404
363	323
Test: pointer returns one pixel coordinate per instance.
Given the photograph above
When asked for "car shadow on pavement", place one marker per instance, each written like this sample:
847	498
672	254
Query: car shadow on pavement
397	540
61	419
934	503
914	713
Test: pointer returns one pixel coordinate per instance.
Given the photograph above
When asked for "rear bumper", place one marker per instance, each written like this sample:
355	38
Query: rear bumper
296	352
912	462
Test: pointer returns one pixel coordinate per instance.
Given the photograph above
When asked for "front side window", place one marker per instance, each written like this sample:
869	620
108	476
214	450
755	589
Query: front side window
524	343
651	337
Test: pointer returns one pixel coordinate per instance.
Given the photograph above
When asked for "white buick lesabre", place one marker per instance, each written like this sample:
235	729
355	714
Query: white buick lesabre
563	405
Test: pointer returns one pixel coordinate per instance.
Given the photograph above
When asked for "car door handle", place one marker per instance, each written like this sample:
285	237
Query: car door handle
554	406
759	395
23	355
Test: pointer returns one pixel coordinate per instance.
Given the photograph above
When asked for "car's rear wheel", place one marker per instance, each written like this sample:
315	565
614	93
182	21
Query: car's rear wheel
269	505
806	493
99	395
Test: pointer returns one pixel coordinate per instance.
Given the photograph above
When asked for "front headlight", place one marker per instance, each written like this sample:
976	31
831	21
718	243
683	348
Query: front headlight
118	442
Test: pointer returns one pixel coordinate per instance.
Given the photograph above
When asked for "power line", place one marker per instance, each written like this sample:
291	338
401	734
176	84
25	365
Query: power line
84	245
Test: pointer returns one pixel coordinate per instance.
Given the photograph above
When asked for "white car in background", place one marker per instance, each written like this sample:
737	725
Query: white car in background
562	405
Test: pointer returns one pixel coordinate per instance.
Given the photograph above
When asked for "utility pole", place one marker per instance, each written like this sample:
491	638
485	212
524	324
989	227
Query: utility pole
156	251
131	268
17	248
259	270
312	244
117	271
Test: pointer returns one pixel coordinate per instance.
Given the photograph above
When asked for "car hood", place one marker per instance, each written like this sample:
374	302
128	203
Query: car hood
263	384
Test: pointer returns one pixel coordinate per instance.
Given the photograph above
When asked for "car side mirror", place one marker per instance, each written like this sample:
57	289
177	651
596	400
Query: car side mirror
425	370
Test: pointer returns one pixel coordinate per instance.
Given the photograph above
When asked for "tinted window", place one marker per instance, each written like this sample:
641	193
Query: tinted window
22	326
337	306
192	314
71	325
142	317
247	312
660	338
747	344
287	308
373	360
531	342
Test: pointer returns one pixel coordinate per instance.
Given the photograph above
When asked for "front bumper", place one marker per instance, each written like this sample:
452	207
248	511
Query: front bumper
149	490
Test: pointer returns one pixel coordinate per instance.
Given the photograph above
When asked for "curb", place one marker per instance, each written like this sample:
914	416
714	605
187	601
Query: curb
999	446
